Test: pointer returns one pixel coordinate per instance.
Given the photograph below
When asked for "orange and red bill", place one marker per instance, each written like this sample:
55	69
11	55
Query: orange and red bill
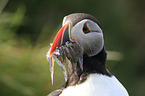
61	37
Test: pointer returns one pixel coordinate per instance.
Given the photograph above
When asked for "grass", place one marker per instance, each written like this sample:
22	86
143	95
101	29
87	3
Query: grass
24	70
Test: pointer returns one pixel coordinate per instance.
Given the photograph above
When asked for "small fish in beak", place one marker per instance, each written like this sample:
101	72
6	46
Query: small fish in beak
65	47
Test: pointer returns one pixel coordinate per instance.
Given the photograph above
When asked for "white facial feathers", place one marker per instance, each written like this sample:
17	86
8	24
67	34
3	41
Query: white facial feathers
92	41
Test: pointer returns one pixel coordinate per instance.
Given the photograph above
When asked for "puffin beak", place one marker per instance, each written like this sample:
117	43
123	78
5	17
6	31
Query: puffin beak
62	36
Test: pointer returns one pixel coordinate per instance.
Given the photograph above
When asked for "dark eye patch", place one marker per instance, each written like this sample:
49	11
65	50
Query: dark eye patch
85	28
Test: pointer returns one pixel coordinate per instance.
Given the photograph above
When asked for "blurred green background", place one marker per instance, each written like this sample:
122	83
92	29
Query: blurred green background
27	27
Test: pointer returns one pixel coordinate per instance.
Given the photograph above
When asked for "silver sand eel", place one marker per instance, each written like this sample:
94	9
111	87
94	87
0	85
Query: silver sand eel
72	50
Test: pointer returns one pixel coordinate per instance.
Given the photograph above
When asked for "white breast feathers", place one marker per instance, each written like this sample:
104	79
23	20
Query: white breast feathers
97	85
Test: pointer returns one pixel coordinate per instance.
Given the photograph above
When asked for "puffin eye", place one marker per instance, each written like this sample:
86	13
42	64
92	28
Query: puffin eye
86	28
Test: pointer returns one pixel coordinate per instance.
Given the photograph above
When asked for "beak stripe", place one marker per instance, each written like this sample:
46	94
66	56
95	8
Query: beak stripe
65	36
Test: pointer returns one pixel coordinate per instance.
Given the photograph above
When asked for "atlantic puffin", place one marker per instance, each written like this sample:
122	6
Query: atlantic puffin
91	78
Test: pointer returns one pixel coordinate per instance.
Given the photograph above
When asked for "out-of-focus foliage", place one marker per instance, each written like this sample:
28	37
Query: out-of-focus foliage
28	26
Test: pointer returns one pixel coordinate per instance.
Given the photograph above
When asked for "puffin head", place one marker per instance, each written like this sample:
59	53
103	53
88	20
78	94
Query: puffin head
90	56
85	29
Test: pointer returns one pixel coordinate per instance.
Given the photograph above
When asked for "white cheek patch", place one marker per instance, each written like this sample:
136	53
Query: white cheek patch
95	44
92	42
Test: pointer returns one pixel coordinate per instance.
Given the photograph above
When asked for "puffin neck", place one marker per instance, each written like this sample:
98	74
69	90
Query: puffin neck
91	65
